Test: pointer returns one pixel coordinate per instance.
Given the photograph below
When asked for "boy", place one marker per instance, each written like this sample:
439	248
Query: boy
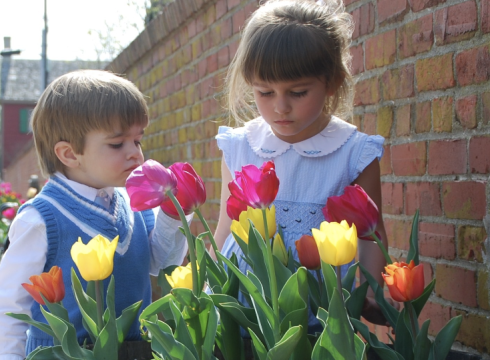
87	128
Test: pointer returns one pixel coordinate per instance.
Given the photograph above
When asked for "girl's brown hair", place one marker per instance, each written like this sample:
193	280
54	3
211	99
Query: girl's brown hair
289	39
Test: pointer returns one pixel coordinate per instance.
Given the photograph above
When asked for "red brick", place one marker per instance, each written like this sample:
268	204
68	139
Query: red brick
232	3
398	233
423	196
416	37
483	289
422	117
474	331
369	124
456	23
438	314
238	19
456	284
363	18
437	240
464	200
381	49
403	117
485	99
367	92
466	111
226	29
221	8
392	195
471	242
385	162
223	57
435	73
485	16
212	61
442	164
409	159
418	5
479	155
357	53
384	121
442	114
191	29
398	83
391	10
473	66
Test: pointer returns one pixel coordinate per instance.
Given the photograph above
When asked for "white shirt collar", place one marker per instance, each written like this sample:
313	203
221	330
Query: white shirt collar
267	145
83	190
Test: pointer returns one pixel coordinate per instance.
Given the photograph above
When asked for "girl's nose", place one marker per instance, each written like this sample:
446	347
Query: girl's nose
282	105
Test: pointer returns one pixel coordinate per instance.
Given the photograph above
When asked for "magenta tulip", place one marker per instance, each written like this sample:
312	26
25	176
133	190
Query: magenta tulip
356	207
254	187
10	213
191	192
147	185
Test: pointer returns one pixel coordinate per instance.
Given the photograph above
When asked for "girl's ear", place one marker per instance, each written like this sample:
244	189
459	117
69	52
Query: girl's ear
334	86
65	153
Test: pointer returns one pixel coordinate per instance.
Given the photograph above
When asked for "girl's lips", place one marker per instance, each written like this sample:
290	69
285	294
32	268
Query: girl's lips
283	122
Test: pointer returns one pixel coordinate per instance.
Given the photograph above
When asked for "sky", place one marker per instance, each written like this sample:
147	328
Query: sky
69	24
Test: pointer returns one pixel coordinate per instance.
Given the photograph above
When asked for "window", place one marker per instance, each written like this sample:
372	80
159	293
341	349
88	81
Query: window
25	116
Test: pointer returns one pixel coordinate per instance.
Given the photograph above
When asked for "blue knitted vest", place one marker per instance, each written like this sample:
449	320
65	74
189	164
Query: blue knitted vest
68	216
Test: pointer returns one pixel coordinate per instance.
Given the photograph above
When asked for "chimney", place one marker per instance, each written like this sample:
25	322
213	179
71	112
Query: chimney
7	51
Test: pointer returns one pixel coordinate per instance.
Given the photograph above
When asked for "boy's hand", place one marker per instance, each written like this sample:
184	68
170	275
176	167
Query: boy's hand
372	312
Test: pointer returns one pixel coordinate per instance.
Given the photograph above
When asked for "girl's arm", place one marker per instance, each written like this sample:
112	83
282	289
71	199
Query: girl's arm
224	222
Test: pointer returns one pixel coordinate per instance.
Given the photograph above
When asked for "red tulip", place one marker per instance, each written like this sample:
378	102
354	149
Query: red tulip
49	284
10	213
254	187
191	192
405	282
354	206
308	253
147	185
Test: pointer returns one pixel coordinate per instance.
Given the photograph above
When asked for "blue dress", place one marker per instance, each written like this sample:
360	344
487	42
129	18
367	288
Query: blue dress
309	172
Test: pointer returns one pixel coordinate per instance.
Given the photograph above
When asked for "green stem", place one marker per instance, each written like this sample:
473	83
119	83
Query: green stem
210	235
383	249
272	278
320	283
413	319
99	299
190	243
339	282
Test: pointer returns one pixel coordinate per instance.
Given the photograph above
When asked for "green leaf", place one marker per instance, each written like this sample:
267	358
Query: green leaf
314	292
419	303
259	347
187	298
257	253
266	327
201	261
413	252
229	339
211	327
159	306
124	322
445	338
403	340
422	345
232	285
330	279
381	349
162	334
350	277
182	333
50	353
243	245
285	347
87	305
162	279
360	348
106	346
27	319
355	302
282	274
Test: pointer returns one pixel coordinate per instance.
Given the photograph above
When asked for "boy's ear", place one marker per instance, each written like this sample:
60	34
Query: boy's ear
64	152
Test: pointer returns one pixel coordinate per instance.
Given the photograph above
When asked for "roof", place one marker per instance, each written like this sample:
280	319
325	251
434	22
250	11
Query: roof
21	79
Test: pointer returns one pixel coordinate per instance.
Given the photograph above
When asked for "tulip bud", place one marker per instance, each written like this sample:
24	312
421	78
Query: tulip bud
308	252
49	284
337	243
181	277
405	281
279	250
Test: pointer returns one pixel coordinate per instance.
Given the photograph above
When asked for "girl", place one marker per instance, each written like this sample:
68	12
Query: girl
291	72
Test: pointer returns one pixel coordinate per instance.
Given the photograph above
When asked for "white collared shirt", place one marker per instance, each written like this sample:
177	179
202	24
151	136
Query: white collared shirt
26	256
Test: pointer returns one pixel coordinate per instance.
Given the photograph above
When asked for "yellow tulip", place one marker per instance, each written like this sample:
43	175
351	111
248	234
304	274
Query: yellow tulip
337	243
181	277
242	227
279	250
95	261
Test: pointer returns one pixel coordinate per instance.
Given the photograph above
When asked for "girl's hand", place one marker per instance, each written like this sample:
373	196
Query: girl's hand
372	312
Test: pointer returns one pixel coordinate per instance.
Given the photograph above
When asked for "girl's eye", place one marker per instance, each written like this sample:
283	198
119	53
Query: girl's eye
116	146
299	94
269	93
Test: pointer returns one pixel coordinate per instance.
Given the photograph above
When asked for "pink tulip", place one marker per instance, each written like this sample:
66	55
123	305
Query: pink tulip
254	187
10	213
191	192
354	206
147	185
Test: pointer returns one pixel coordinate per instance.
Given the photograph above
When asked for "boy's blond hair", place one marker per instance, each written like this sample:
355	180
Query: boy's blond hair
287	40
79	102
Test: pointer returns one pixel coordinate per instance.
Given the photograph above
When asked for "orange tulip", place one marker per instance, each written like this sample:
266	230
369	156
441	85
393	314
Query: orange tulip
308	253
49	284
405	282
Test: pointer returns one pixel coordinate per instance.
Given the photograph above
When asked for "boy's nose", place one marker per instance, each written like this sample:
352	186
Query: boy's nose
135	152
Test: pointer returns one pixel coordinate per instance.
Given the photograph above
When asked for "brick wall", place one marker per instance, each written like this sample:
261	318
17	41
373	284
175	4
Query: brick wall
422	69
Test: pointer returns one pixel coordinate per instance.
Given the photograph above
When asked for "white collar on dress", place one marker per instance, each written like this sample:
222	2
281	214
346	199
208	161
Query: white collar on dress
267	145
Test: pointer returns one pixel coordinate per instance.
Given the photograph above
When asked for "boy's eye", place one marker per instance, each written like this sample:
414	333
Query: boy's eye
299	94
137	143
116	146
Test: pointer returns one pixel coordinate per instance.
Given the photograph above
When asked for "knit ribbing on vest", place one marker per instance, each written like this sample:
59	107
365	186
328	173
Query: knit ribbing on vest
69	216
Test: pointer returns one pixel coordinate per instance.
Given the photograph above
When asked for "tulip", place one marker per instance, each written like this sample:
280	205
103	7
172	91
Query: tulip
235	207
337	243
95	261
148	184
356	207
242	227
49	284
10	213
254	187
181	277
308	252
191	192
405	282
279	250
